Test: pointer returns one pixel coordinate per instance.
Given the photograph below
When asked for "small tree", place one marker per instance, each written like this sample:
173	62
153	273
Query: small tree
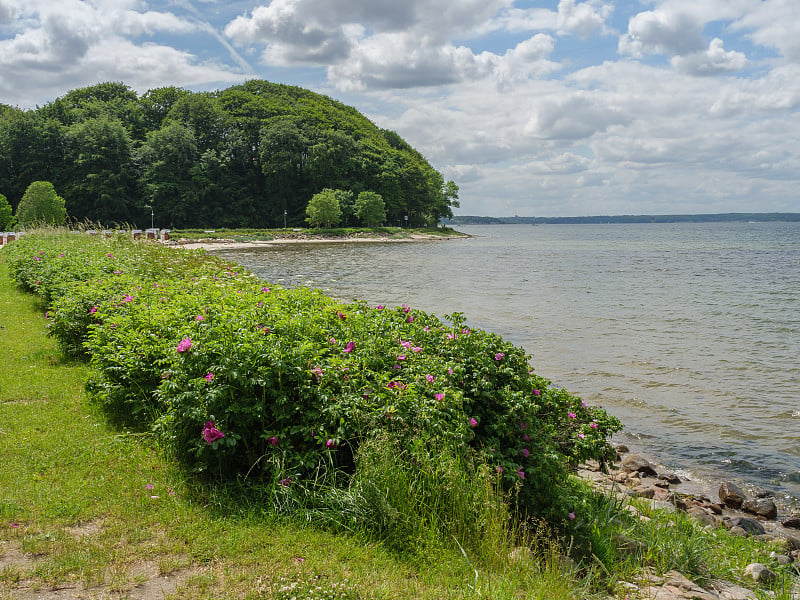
323	209
7	219
41	205
369	208
346	205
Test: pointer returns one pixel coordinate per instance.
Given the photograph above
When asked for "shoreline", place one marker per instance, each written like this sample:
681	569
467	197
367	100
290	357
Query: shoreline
212	243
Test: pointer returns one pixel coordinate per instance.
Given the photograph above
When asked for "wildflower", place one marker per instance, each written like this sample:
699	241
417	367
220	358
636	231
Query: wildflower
405	344
526	453
62	255
581	435
266	290
118	272
211	434
416	349
593	425
332	340
285	481
199	318
526	438
379	307
465	331
583	404
93	310
128	298
536	393
274	441
499	469
265	330
410	318
571	516
109	255
406	308
521	473
571	415
330	444
429	378
350	347
37	259
440	396
473	422
184	344
342	316
499	356
449	371
149	486
451	336
317	371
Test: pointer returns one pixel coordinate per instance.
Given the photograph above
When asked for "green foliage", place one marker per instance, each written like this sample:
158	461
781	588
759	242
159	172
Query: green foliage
7	219
244	156
369	208
294	381
40	205
323	209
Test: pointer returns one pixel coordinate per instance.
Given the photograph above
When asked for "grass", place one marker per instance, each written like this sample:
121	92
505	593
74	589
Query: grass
95	509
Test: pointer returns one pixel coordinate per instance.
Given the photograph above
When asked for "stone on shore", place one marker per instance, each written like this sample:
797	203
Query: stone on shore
760	574
750	526
763	507
792	521
638	464
731	495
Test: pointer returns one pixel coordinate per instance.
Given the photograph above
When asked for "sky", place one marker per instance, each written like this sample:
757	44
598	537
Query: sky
561	108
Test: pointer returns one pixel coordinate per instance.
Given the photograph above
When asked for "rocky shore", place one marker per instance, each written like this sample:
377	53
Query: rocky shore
633	476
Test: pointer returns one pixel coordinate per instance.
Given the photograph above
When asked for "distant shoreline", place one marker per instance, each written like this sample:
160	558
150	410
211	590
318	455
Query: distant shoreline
606	219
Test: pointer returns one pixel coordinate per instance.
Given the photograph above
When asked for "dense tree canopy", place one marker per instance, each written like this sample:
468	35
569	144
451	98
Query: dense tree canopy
250	155
40	205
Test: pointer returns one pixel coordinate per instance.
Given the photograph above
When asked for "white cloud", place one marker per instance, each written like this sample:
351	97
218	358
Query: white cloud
712	61
661	32
582	19
775	24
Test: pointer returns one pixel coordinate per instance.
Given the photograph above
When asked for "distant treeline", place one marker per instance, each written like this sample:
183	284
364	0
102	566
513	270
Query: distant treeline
252	155
707	218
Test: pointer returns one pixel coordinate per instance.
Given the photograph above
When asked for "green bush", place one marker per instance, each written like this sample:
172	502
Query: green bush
245	380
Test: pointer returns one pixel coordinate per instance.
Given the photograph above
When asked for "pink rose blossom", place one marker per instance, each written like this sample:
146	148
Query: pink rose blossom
209	376
184	345
473	422
211	433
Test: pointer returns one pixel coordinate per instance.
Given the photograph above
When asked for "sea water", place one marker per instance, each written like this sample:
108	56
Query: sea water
689	333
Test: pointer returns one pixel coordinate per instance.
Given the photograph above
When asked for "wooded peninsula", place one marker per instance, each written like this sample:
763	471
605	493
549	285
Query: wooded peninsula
252	155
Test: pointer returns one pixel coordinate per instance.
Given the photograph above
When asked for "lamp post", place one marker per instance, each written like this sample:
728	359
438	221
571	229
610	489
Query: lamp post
284	219
151	215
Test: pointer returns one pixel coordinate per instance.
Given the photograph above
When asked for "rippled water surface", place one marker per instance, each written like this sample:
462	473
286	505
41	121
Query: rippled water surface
690	333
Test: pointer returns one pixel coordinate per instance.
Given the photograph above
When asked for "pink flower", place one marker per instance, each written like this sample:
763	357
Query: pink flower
199	318
274	441
128	298
36	258
211	434
350	347
499	356
406	345
583	404
593	425
416	349
473	422
149	486
266	290
401	357
184	345
341	315
581	435
449	371
332	340
410	318
317	371
379	307
571	415
526	438
429	378
93	310
536	392
406	308
521	473
285	481
265	330
499	469
526	453
209	376
439	396
330	444
571	516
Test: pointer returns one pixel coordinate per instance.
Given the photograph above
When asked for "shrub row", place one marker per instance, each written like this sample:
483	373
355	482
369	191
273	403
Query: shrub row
242	379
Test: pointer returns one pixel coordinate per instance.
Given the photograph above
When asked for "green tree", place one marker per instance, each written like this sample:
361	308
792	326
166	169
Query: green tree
7	220
369	208
346	205
41	205
323	209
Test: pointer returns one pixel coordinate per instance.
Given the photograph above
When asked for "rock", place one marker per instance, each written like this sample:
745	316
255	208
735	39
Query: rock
731	495
792	542
670	478
622	449
759	573
750	526
729	591
781	559
678	587
763	507
792	521
644	491
639	464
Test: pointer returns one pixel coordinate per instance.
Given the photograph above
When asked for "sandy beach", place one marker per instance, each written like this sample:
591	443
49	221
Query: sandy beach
213	243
